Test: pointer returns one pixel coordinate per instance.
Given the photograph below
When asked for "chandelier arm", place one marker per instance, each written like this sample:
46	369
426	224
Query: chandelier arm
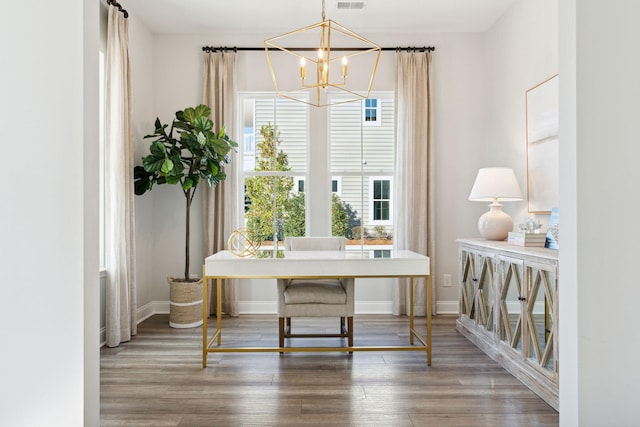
319	80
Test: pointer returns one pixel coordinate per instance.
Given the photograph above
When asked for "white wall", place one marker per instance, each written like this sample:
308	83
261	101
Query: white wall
599	115
598	179
521	51
458	74
49	251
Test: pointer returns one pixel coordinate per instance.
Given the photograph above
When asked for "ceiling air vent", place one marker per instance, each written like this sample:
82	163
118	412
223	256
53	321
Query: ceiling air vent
351	5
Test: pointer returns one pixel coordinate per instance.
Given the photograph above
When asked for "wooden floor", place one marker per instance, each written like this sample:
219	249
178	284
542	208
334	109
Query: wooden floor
157	380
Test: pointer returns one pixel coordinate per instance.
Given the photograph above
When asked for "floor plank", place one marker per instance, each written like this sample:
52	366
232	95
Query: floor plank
157	379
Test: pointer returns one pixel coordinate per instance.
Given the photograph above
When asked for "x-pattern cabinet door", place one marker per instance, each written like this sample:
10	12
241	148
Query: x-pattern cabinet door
477	300
512	294
467	290
528	311
485	294
541	344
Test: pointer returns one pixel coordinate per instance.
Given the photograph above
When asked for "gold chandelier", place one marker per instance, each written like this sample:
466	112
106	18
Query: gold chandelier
323	71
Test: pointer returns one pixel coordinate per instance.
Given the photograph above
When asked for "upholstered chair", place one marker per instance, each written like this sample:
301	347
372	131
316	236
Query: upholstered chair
315	297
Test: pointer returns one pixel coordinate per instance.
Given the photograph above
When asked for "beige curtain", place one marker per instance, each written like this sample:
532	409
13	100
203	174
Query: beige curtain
414	171
119	219
221	213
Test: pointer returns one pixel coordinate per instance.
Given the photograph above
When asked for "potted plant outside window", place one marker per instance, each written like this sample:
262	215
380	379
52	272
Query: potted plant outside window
188	153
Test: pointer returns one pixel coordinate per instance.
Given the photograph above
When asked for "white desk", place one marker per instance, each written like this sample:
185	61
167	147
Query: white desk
316	264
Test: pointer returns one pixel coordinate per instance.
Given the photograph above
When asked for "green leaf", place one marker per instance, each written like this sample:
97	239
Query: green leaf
139	172
167	166
203	110
140	186
203	124
152	163
187	184
158	149
214	168
172	179
181	125
202	139
189	115
178	167
220	146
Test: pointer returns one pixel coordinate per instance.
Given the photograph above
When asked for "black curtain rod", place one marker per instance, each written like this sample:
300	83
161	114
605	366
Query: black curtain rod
310	49
116	4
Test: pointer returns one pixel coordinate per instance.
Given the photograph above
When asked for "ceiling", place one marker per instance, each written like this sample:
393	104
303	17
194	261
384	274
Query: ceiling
272	17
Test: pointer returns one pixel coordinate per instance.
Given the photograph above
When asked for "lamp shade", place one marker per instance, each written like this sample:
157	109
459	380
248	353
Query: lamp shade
495	183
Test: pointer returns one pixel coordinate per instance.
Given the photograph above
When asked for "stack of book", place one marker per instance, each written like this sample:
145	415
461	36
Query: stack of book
527	239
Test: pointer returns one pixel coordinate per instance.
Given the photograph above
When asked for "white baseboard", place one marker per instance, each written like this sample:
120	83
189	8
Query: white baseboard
447	307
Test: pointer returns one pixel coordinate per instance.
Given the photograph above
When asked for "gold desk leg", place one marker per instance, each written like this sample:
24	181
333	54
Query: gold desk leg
429	319
219	307
204	318
411	313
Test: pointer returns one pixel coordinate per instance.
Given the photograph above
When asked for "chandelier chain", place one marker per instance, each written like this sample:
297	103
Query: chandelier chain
323	15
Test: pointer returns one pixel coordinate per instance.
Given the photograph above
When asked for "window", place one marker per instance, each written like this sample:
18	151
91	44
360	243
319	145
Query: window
272	166
371	112
380	199
278	199
362	162
336	185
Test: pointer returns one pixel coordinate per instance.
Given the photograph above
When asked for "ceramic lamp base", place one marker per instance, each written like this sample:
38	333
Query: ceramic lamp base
495	224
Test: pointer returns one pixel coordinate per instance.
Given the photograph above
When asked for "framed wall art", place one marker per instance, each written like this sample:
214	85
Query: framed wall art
542	146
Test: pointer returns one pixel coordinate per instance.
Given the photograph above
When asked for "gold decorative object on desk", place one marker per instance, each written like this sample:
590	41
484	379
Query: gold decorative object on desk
240	244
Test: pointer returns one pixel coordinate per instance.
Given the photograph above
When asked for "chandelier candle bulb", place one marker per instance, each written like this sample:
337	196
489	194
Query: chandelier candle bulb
303	69
344	67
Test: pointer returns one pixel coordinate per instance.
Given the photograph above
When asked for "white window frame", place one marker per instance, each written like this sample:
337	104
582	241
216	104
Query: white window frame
371	200
244	174
378	109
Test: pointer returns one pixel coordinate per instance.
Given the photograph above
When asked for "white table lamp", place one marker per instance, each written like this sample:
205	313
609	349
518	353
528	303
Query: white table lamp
495	185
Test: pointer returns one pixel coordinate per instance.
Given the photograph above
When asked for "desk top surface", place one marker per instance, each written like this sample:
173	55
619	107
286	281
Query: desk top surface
349	263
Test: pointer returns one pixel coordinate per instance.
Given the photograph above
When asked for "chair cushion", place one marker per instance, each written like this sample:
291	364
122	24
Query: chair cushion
315	292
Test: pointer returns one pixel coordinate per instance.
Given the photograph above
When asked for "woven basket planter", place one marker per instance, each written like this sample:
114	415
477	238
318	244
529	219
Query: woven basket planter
185	303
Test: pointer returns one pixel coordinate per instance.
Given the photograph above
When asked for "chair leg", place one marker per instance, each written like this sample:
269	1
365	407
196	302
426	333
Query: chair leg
281	331
343	330
287	330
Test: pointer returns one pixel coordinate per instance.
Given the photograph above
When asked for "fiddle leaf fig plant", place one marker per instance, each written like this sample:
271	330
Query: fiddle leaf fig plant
188	153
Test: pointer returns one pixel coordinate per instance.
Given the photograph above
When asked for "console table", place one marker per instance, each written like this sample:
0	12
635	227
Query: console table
378	263
509	309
